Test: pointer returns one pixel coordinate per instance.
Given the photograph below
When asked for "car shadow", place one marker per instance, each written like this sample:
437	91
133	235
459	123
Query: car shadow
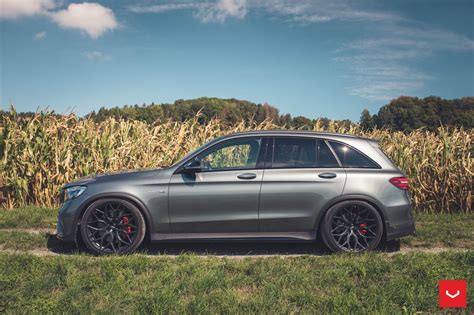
220	248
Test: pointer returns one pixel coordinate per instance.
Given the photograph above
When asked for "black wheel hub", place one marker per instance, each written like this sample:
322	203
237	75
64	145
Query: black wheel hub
111	227
354	227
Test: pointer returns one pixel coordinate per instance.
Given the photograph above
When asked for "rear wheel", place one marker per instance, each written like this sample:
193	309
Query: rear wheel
352	226
112	226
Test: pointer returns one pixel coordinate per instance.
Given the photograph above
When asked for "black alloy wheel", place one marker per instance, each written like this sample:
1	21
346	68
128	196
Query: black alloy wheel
112	226
352	226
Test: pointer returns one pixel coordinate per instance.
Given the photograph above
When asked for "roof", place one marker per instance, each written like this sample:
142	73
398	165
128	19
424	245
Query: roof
294	133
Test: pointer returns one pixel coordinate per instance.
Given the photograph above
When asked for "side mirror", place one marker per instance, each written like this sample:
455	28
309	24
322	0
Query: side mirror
193	167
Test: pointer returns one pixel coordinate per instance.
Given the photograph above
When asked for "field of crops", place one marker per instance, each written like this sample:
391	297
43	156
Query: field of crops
43	153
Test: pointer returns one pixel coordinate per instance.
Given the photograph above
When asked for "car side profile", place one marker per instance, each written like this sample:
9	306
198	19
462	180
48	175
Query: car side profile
266	185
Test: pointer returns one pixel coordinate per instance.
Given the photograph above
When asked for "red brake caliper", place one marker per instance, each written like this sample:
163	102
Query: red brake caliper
125	221
362	228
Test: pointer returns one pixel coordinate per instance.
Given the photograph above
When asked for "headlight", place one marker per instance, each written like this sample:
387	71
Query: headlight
72	192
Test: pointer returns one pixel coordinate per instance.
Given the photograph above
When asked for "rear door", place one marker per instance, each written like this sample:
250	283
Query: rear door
300	177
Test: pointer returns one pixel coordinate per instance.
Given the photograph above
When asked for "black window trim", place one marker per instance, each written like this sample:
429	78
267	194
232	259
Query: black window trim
377	167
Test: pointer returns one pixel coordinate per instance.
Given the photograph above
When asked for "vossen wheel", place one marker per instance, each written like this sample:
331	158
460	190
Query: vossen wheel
112	226
352	226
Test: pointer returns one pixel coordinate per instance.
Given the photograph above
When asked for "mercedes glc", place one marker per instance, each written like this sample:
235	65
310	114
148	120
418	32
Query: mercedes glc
261	185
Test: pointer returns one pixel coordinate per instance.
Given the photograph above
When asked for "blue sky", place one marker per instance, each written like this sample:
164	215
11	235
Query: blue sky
312	58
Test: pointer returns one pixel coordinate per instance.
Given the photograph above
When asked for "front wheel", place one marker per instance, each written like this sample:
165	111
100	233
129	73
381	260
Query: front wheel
112	226
352	226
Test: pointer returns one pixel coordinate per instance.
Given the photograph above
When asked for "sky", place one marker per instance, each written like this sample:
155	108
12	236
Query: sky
306	57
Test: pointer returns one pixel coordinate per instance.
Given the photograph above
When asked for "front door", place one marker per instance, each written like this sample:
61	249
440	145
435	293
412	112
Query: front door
223	196
300	178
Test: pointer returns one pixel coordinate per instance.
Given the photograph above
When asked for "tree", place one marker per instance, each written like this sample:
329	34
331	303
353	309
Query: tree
366	121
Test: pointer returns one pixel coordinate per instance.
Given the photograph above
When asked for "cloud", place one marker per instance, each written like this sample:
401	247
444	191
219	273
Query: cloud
12	9
96	56
206	12
382	66
160	8
298	11
91	18
319	11
222	10
40	35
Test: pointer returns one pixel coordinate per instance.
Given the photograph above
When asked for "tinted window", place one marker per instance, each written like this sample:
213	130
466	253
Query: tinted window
350	157
325	156
232	154
294	153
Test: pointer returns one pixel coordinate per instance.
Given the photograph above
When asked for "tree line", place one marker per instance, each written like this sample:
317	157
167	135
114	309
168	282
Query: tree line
407	113
404	113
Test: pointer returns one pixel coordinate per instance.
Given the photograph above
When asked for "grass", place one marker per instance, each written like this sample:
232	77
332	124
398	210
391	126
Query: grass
442	229
376	283
28	217
75	282
19	240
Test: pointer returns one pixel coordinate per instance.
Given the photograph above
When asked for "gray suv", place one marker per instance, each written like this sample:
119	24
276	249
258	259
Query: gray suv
283	185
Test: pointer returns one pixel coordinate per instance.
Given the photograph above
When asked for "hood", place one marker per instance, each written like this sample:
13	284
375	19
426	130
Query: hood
121	174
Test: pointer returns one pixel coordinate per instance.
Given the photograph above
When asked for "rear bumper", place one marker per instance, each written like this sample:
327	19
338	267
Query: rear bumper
399	222
398	231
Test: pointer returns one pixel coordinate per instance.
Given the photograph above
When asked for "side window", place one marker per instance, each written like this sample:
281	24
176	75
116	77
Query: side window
352	158
325	156
232	154
294	153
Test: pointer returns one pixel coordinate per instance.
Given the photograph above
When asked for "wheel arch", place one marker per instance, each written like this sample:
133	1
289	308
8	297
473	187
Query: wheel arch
123	196
355	197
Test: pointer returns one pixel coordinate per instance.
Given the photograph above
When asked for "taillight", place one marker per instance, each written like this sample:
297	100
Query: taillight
400	182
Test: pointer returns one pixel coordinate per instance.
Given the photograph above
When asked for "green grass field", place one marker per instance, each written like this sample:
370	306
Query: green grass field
34	279
368	283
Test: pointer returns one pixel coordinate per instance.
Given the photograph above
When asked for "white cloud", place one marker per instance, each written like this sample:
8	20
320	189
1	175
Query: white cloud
12	9
91	18
159	8
206	12
318	11
382	66
96	55
222	10
298	11
40	35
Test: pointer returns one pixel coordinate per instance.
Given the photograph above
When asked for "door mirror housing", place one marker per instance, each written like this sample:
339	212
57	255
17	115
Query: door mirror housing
193	167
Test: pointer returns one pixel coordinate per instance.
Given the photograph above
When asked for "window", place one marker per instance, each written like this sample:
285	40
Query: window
325	156
233	154
349	157
294	153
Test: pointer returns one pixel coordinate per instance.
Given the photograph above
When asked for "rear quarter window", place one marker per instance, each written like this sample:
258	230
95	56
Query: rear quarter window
351	158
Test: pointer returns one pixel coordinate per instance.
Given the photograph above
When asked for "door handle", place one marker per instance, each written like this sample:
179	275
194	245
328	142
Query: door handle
327	175
247	176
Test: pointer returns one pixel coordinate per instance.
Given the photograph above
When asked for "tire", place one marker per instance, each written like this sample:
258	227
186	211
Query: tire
352	226
112	226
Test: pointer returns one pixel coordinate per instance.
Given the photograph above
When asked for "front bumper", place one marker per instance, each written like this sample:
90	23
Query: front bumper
66	229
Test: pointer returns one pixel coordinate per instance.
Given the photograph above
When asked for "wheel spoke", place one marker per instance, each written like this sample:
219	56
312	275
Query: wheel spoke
111	227
354	227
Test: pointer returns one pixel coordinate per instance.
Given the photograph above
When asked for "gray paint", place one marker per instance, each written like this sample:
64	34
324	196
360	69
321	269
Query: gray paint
277	203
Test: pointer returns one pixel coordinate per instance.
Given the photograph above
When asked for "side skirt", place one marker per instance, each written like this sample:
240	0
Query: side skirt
241	236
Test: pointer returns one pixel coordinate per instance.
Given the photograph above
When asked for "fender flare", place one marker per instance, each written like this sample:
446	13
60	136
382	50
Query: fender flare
374	202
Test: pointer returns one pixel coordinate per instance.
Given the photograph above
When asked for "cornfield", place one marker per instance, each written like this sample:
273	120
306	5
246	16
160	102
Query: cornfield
44	152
